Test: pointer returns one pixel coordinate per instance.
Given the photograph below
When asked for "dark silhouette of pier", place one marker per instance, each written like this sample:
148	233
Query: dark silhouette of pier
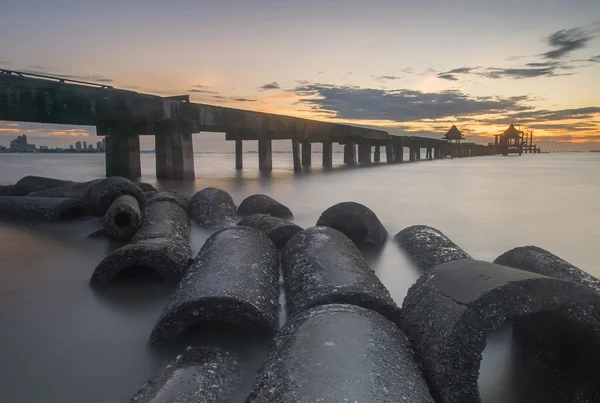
122	116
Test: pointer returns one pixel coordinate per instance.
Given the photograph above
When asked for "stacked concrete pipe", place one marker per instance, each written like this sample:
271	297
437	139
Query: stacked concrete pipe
233	280
453	307
161	246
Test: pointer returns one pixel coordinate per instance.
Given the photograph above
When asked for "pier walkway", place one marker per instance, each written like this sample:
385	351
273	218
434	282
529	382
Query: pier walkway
123	115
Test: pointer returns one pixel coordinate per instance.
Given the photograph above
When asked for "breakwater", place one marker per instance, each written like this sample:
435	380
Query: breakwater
520	283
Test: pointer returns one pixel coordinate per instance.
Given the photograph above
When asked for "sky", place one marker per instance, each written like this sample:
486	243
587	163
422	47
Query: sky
413	67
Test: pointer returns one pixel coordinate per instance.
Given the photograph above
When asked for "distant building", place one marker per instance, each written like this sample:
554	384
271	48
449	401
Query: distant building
20	145
71	147
454	135
43	147
85	145
91	147
99	146
78	146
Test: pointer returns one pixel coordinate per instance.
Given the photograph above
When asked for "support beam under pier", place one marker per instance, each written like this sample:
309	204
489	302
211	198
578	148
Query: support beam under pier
327	154
306	154
350	154
399	153
389	154
239	151
364	153
265	155
174	155
123	156
377	155
296	155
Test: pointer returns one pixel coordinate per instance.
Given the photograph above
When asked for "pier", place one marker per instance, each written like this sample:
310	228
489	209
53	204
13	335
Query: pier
121	116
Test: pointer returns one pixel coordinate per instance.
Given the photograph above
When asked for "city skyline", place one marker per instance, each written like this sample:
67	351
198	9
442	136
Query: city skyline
413	68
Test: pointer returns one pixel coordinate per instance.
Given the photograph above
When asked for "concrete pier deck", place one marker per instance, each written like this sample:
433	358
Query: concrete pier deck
122	116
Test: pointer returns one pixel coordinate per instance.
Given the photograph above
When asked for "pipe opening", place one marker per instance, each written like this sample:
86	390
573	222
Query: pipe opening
544	358
122	220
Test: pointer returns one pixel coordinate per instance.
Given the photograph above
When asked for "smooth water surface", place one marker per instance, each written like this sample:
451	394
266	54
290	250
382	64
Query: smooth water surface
63	342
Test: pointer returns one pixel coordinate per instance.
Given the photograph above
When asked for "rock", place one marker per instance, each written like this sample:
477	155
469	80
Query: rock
74	190
161	246
340	353
199	375
450	311
263	204
538	260
169	196
428	247
212	208
123	219
322	266
233	280
41	208
8	190
32	183
277	229
357	221
146	187
107	190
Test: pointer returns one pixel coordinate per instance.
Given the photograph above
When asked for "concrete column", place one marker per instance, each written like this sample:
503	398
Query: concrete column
239	151
389	153
306	154
296	155
327	154
377	156
123	156
174	154
164	157
265	155
399	152
418	150
364	153
350	154
412	154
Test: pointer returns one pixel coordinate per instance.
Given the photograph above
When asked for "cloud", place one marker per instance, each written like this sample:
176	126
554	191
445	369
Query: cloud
518	73
401	105
270	86
194	90
243	100
386	78
544	115
199	86
566	41
449	77
4	63
595	59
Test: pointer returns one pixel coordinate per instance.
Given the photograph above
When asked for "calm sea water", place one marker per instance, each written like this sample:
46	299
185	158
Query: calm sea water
62	342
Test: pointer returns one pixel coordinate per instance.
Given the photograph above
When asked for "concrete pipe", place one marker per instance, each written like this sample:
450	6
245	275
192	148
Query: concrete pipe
451	310
233	280
357	221
107	190
277	229
146	187
8	190
212	208
199	375
263	204
322	266
123	219
428	247
182	200
538	260
340	353
161	246
41	208
76	190
32	183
